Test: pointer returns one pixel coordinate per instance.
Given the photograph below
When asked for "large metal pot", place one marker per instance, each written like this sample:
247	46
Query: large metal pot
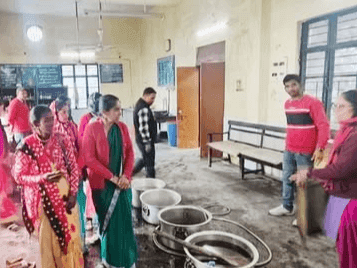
181	221
138	186
224	243
154	200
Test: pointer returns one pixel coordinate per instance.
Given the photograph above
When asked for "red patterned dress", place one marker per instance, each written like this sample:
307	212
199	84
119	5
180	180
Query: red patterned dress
44	202
8	210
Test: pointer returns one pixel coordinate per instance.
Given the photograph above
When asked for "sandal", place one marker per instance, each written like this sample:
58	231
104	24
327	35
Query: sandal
13	227
32	265
17	263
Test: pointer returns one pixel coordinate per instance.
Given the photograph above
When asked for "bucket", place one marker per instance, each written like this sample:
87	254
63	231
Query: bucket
154	200
140	185
172	133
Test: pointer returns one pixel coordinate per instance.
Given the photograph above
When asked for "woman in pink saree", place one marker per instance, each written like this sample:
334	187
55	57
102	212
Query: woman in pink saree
339	179
8	210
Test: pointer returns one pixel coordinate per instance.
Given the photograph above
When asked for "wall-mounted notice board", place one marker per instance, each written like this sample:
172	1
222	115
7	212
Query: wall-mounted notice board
166	71
40	76
111	73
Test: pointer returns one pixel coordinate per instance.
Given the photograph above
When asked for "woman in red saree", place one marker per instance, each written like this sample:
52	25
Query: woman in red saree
339	178
47	170
61	110
8	210
93	103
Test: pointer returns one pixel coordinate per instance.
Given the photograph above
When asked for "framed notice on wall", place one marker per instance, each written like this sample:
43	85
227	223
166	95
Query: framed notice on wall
111	73
166	71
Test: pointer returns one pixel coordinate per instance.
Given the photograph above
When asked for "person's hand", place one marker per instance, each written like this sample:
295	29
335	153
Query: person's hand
71	202
54	176
115	180
318	156
300	178
124	182
148	148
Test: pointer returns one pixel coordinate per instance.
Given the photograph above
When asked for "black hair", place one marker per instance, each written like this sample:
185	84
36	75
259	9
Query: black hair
290	77
351	97
21	89
149	90
61	102
107	102
93	102
38	112
4	102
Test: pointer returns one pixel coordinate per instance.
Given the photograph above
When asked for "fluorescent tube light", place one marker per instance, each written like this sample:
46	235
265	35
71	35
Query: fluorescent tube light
75	54
212	29
124	15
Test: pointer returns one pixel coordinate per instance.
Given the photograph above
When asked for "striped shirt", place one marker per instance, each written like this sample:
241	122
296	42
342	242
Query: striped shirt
307	125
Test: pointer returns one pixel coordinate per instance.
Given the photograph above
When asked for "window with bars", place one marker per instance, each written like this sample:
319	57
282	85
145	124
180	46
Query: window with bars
329	57
82	81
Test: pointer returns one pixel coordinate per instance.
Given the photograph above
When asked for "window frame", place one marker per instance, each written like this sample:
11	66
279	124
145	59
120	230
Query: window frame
329	49
74	76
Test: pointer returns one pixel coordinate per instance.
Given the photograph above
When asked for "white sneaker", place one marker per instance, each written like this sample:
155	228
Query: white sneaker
281	211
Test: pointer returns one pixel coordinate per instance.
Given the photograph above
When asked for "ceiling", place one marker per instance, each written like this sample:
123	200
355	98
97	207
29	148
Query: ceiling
67	7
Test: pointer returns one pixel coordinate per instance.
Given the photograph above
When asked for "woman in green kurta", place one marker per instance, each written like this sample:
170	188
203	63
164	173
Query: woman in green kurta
113	202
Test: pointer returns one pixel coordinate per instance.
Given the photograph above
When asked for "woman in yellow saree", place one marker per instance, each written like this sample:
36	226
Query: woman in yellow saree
46	168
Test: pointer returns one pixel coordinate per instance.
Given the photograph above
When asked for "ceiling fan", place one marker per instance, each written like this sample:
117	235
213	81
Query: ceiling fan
99	47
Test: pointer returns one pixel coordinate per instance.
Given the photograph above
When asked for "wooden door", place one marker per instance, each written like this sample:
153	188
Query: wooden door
211	103
188	107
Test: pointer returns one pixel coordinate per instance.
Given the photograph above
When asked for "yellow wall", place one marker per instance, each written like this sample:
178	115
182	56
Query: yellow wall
242	38
123	34
285	28
259	33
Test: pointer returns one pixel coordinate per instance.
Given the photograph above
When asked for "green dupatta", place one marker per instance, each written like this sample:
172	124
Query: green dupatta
118	244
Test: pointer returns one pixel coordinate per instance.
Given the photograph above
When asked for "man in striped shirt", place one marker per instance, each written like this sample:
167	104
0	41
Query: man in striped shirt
307	133
145	132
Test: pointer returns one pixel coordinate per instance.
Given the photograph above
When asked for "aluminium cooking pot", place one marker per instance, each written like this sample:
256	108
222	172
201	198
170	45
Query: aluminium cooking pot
182	221
154	200
224	243
141	185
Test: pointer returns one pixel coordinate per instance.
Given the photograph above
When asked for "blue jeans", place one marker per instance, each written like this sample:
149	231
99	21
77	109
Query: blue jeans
292	162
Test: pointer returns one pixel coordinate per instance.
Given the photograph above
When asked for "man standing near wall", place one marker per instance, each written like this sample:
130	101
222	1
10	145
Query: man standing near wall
307	133
145	132
18	116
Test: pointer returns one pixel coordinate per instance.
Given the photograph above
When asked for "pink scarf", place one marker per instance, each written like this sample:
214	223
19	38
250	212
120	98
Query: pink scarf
342	134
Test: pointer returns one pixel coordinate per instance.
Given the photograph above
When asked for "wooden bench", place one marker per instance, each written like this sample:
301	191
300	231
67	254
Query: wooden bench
259	143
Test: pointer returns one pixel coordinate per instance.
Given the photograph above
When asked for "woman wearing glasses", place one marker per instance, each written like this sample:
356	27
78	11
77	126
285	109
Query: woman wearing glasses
339	179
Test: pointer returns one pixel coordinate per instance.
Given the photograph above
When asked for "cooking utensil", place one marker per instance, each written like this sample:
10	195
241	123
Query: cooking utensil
139	186
154	200
208	251
182	221
227	243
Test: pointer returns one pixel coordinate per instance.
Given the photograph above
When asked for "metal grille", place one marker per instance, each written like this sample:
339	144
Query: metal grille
346	61
347	28
318	32
329	57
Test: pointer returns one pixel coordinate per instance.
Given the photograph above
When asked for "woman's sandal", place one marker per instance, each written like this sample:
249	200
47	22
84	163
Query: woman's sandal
13	227
17	263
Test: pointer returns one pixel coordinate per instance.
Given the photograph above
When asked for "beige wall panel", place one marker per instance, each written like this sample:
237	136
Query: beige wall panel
123	34
285	28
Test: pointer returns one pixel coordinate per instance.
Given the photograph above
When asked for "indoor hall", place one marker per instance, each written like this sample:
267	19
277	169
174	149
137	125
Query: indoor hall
211	63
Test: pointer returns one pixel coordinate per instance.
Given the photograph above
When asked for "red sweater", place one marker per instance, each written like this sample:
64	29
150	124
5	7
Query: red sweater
96	153
83	122
18	117
308	127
